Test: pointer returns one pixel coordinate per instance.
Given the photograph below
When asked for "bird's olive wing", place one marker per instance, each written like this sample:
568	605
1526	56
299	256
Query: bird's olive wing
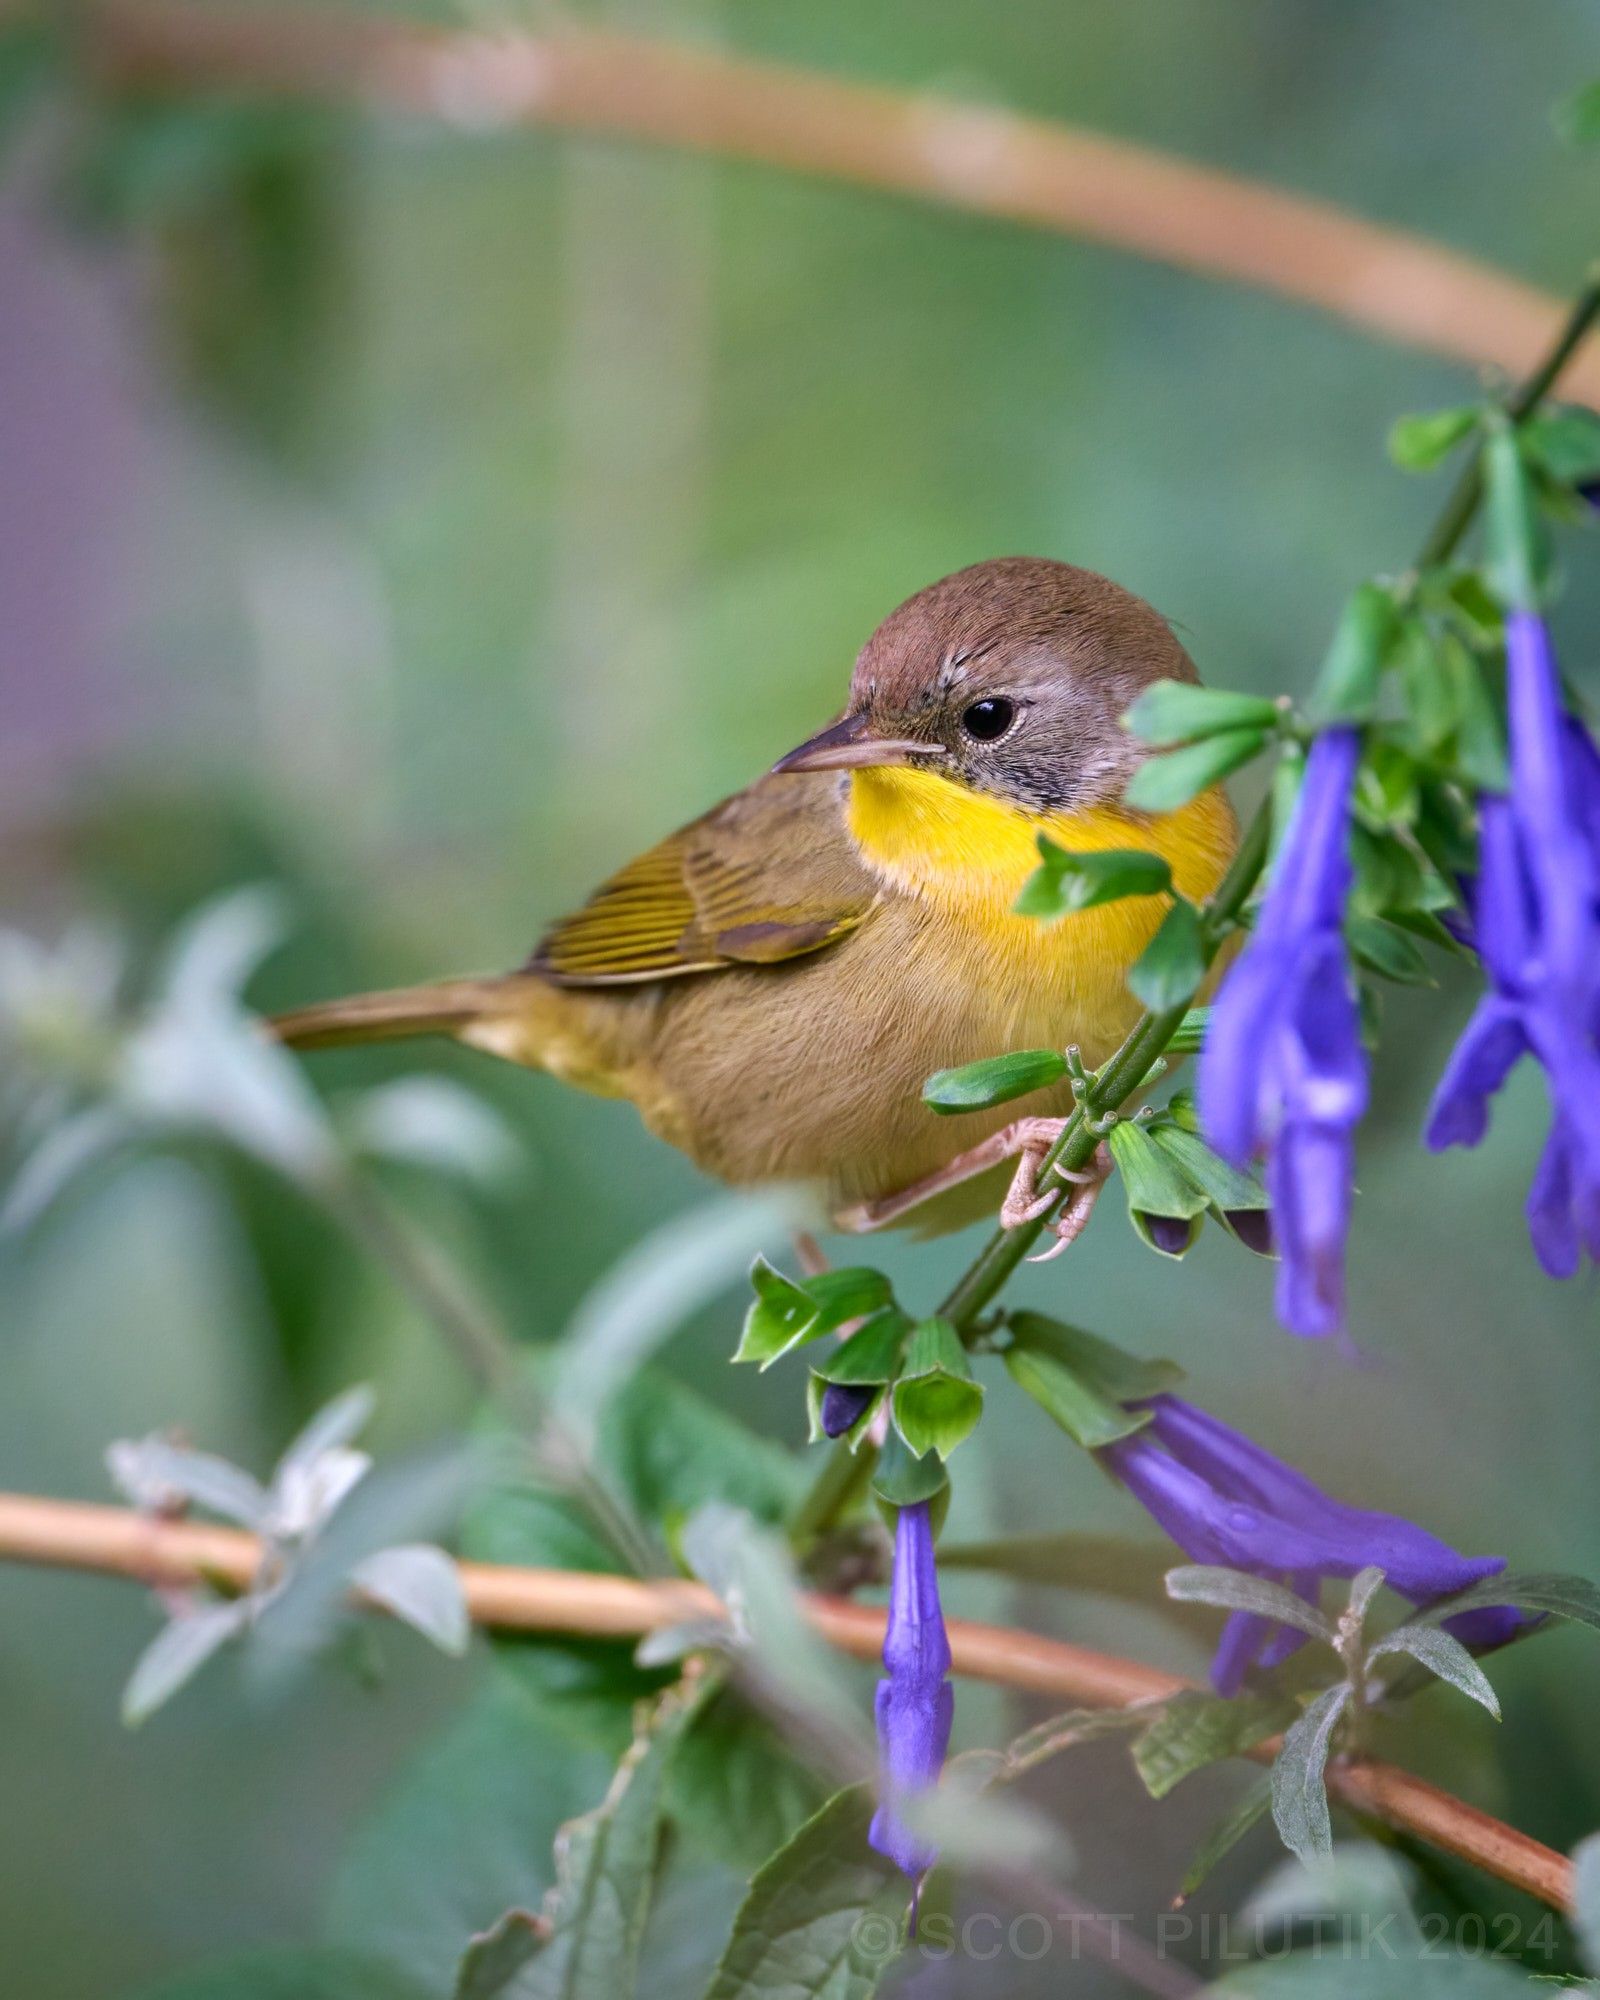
765	877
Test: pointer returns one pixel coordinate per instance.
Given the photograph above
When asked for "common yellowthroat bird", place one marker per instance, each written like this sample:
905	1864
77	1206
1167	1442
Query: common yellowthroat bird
772	984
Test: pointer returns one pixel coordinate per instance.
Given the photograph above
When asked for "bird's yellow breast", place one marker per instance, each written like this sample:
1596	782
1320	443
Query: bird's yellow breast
967	856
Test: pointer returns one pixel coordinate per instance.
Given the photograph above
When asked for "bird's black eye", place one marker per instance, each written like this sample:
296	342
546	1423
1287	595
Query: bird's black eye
988	719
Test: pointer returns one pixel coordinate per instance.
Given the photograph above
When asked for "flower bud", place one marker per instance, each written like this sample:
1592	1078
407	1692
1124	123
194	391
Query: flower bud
843	1404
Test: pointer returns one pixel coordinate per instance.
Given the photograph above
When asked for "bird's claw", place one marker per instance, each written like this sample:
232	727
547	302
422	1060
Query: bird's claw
1024	1203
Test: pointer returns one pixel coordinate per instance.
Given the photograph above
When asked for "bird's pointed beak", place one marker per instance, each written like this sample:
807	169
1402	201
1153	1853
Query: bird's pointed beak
851	746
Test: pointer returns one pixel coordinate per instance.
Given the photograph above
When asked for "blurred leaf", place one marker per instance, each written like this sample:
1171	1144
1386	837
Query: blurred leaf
287	1973
1173	712
1515	540
1586	1898
1419	443
177	1653
422	1586
822	1919
154	1473
1196	1728
1059	1733
1237	1590
64	1152
1564	439
1346	688
1383	949
1173	963
1173	778
605	1874
1247	1811
1577	118
490	1964
654	1288
428	1121
736	1787
976	1086
337	1424
1190	1035
1442	1655
1573	1597
1299	1792
464	1833
1067	882
936	1402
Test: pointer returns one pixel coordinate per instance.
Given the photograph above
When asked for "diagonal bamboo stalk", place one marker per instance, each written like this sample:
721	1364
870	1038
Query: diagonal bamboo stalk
1045	175
115	1541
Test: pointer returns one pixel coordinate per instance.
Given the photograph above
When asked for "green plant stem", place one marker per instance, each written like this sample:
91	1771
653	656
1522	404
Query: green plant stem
1125	1072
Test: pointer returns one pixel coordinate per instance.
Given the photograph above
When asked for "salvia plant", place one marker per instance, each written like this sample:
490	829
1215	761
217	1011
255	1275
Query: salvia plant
1437	791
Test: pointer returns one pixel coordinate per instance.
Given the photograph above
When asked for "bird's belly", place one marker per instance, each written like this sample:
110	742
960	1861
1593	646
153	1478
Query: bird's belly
815	1072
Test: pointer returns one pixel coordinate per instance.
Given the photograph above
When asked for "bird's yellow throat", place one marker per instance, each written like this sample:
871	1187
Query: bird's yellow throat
948	844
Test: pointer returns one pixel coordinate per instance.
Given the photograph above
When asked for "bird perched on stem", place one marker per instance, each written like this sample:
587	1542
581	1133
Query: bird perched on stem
772	984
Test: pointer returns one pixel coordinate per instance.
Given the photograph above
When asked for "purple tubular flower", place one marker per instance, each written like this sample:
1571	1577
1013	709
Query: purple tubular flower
1283	1070
914	1703
1537	919
1225	1501
842	1406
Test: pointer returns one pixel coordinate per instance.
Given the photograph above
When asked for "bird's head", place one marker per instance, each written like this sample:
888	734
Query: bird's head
1010	678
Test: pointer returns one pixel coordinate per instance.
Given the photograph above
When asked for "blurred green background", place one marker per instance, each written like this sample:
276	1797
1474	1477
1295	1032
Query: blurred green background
425	522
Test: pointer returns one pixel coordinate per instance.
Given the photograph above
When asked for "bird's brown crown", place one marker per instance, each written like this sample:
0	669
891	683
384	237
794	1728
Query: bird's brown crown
1016	673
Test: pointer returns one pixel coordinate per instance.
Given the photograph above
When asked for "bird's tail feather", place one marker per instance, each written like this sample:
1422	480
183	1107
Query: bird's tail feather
447	1008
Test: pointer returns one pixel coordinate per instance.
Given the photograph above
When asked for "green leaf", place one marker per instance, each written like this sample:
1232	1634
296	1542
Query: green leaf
1558	1595
492	1961
936	1402
1058	1733
1065	883
1513	534
734	1785
822	1920
1237	1590
1388	875
1346	689
1044	1366
1564	440
871	1354
605	1872
1224	1187
784	1315
1418	443
1173	712
975	1086
1383	949
1171	780
1442	1655
1251	1806
1299	1790
1190	1036
1197	1728
1480	734
665	1451
322	1972
1577	118
463	1835
902	1478
1173	963
1428	686
1116	1374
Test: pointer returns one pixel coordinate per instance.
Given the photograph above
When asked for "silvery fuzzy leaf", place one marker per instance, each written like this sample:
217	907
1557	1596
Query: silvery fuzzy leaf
1299	1789
215	950
58	1159
1444	1655
714	1542
421	1585
668	1644
1364	1586
340	1421
156	1474
1237	1590
306	1491
78	976
178	1652
427	1121
650	1291
210	1070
